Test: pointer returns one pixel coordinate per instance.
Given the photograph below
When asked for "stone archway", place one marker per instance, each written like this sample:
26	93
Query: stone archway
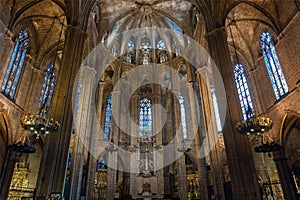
290	142
4	138
6	158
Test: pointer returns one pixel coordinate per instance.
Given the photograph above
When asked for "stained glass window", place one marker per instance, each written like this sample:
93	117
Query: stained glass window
243	91
128	56
145	119
108	114
146	47
273	66
161	45
183	117
130	45
101	164
172	25
48	88
76	109
216	109
16	63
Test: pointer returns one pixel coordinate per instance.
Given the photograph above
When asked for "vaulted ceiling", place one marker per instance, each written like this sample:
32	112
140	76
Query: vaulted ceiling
192	16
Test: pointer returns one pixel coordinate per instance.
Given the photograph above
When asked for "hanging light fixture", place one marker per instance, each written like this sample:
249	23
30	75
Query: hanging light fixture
253	125
41	124
22	145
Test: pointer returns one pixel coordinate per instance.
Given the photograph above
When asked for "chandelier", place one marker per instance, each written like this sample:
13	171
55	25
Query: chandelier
257	126
267	147
254	125
39	124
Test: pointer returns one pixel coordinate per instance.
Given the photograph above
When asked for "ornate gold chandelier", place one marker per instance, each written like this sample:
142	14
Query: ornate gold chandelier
254	125
39	124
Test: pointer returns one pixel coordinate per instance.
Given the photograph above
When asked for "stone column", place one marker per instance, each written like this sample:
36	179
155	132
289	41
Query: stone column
181	168
198	138
92	159
240	161
83	130
134	166
157	154
113	156
284	175
209	129
111	175
55	152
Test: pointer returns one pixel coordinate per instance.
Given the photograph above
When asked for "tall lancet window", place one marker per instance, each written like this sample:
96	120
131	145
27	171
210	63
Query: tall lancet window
273	66
216	109
243	91
16	63
145	119
48	88
183	117
108	114
76	108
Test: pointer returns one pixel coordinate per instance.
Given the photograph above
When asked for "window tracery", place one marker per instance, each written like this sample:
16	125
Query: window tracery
145	119
243	91
16	63
183	117
108	115
48	88
273	66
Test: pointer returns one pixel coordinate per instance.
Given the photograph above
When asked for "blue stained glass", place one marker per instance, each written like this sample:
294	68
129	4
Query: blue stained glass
77	101
146	47
130	45
216	108
273	66
101	164
145	119
161	45
10	65
183	117
243	91
48	88
108	115
16	63
69	160
172	25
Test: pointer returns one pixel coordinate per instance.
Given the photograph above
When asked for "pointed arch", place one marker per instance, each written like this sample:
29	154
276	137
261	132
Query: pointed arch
257	7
